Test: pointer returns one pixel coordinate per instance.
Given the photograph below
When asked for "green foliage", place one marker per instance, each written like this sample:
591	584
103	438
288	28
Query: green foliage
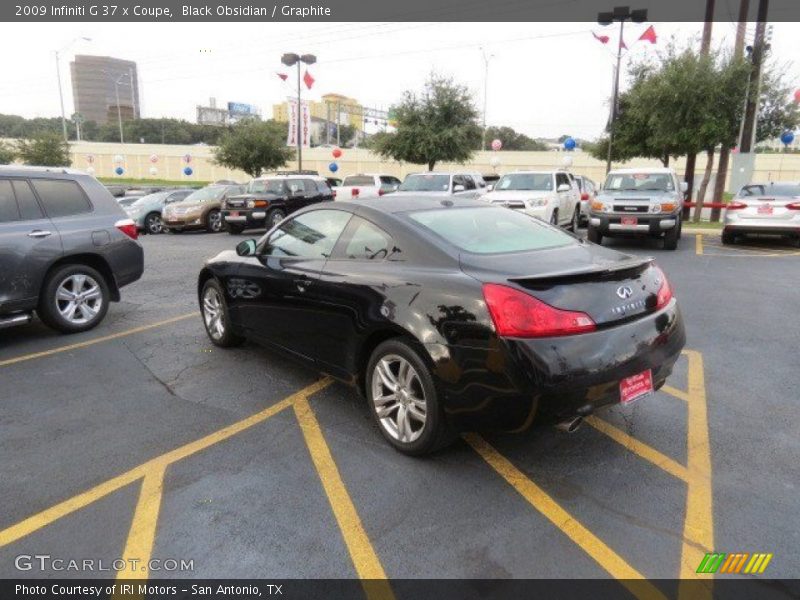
777	110
512	140
439	124
254	146
46	149
7	153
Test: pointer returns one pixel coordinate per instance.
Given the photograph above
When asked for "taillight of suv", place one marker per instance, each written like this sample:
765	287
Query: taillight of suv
128	227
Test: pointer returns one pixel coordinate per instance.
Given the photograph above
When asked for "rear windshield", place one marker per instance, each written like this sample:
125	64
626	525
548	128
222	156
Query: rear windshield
359	180
526	181
639	182
490	229
426	183
775	189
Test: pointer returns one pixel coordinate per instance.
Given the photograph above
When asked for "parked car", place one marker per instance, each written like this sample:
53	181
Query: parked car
126	201
639	202
202	209
588	191
765	208
548	195
67	248
459	185
491	180
449	315
333	182
368	185
146	210
267	200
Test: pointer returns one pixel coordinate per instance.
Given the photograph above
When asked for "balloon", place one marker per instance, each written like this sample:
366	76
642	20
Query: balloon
153	158
566	162
569	144
90	170
187	158
496	145
337	152
333	166
187	170
153	171
797	96
119	170
90	158
787	137
118	158
495	162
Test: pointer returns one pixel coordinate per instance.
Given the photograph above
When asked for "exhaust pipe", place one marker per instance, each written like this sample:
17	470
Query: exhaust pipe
571	425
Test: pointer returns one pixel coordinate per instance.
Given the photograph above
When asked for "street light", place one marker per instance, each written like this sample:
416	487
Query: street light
621	14
486	60
58	74
290	59
117	82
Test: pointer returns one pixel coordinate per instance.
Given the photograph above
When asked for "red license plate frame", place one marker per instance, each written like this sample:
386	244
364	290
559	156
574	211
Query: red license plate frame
629	221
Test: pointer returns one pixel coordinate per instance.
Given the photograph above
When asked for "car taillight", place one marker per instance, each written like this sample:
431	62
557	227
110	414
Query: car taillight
664	294
128	227
355	192
736	206
517	314
584	196
334	193
793	206
381	192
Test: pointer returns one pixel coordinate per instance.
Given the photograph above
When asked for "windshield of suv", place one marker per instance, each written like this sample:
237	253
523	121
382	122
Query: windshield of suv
207	194
266	186
773	189
639	182
358	180
144	200
526	181
426	183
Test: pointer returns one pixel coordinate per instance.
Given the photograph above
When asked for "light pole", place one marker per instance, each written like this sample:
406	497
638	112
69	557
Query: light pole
290	59
58	74
117	83
621	14
486	60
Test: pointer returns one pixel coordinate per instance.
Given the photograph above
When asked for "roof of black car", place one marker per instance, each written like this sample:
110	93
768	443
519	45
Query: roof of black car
397	204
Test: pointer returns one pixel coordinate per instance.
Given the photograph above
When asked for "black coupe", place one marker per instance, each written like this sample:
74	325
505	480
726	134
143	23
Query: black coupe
449	315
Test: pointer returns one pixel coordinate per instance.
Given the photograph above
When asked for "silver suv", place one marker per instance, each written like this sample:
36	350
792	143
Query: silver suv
643	202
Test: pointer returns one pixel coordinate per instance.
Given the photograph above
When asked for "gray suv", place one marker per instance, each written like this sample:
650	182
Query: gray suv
66	248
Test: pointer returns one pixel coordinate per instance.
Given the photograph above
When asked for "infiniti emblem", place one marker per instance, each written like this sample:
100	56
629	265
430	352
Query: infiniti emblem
624	292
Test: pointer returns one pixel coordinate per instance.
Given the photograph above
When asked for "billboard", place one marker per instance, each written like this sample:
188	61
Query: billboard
241	109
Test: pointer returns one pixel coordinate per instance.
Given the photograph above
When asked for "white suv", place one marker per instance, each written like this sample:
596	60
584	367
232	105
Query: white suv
367	185
549	195
460	185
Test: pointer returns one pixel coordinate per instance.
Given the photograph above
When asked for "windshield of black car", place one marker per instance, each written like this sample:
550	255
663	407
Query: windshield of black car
491	229
207	194
266	186
639	182
426	183
775	189
526	181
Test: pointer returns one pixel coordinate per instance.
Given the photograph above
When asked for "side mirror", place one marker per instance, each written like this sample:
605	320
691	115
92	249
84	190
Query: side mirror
458	188
684	186
564	187
246	248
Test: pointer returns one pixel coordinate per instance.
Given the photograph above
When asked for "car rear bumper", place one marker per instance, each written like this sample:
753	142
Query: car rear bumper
246	217
765	226
647	224
516	379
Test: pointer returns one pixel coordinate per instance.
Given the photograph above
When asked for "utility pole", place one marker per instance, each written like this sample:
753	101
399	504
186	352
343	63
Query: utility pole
133	97
291	59
705	49
751	108
486	60
58	74
119	110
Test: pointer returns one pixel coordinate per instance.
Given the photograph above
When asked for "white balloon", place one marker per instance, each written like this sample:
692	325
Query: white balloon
495	162
90	170
153	171
566	161
118	158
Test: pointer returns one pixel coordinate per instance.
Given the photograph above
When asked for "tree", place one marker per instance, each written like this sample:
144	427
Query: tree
512	140
254	146
777	111
46	149
440	124
7	154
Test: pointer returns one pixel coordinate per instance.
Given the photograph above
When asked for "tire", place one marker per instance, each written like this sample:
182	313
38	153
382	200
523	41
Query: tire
671	239
214	311
594	236
554	218
214	221
275	216
728	238
74	298
174	230
680	227
153	224
576	218
424	429
235	229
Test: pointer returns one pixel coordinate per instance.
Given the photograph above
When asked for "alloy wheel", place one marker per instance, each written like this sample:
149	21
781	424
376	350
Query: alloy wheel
154	224
399	398
215	221
275	218
79	299
213	315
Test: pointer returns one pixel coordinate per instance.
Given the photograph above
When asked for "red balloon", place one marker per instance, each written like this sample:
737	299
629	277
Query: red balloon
797	96
336	153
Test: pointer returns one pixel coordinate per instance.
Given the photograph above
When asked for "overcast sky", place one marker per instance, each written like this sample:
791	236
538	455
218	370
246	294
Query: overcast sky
545	79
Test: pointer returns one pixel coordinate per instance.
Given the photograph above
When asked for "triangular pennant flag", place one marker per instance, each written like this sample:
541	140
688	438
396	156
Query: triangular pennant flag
308	80
283	76
603	39
622	44
649	35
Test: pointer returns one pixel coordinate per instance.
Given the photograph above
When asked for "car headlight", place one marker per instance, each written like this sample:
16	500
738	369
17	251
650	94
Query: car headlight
251	204
655	208
600	206
534	202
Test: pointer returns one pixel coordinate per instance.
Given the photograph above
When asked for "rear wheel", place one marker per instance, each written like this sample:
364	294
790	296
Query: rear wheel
554	218
728	238
74	298
153	224
671	238
214	222
593	235
215	316
576	217
275	216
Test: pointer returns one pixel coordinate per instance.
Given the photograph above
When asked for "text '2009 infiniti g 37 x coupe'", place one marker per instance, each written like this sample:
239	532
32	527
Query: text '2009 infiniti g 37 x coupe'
449	315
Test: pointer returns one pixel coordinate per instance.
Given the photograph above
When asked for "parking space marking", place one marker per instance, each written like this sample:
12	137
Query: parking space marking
98	340
602	554
740	250
698	244
363	555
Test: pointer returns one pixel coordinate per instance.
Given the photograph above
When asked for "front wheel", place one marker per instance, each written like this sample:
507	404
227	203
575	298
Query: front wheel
404	401
275	216
728	238
215	316
554	218
153	223
593	235
214	222
74	298
576	217
671	238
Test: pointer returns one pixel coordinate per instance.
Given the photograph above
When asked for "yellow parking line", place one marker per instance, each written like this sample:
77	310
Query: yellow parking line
680	394
639	448
698	244
48	516
365	559
92	342
588	542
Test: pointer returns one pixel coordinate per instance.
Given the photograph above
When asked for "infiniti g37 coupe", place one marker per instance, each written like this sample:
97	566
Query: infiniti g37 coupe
449	315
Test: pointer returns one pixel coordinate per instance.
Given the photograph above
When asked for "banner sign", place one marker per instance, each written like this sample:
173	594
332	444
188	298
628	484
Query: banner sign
299	125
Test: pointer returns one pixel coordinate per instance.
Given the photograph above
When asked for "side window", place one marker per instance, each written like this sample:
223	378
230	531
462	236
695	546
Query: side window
8	203
61	197
459	180
310	235
29	209
469	182
295	186
561	178
367	242
310	187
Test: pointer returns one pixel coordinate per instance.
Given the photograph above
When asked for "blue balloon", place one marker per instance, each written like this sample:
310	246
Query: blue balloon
187	171
569	144
119	170
787	137
333	167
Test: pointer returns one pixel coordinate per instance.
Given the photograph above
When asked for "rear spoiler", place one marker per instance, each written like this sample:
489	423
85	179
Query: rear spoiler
595	270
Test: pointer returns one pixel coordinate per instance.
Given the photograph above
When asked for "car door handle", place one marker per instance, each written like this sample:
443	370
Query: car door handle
39	233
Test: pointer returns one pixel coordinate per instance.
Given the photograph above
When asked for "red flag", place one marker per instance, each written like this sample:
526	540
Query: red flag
603	39
622	44
649	35
283	76
308	80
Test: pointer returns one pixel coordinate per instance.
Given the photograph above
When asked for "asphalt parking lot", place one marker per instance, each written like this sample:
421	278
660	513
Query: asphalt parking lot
141	439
